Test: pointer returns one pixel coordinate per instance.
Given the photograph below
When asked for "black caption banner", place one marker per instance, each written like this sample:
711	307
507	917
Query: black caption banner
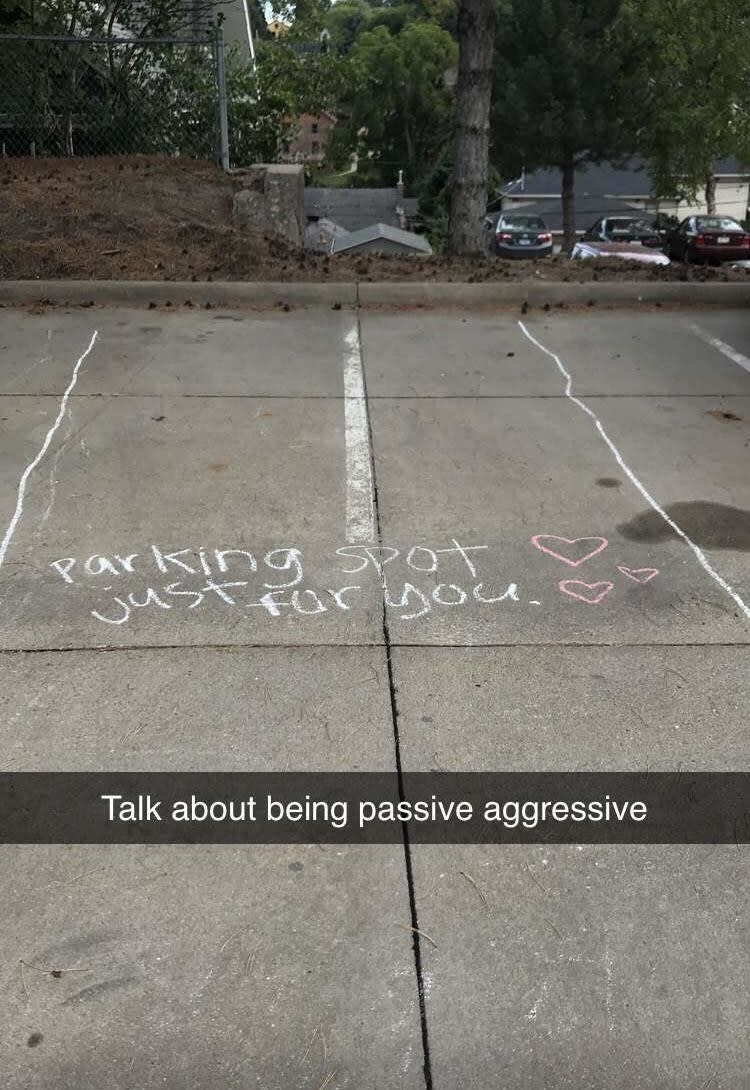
374	808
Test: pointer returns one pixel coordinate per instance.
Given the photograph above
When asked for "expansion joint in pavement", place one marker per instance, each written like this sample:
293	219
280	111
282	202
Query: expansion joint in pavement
392	645
416	934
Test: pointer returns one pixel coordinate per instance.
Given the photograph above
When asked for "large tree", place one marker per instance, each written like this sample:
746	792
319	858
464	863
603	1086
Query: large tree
567	90
696	67
476	36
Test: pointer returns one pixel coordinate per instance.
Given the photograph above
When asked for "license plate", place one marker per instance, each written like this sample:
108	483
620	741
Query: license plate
525	241
722	239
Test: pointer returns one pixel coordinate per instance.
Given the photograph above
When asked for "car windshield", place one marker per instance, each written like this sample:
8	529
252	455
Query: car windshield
523	223
629	225
717	223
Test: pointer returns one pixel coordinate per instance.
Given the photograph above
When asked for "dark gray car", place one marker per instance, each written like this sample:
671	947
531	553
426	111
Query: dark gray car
518	235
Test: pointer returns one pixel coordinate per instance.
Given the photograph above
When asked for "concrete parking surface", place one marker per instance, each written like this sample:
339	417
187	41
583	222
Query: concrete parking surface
318	540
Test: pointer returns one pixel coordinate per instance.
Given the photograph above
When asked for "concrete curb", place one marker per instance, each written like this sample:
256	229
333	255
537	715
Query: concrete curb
176	293
535	293
538	293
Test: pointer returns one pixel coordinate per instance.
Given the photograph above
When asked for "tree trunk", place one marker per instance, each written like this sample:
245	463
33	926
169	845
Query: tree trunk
568	205
476	39
711	193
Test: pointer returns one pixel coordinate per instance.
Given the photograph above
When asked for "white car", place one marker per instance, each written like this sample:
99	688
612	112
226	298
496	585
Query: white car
630	251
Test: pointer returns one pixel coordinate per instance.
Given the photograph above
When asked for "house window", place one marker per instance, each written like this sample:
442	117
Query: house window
314	126
315	146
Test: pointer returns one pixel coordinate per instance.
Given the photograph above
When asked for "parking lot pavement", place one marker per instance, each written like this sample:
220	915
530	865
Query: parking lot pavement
311	540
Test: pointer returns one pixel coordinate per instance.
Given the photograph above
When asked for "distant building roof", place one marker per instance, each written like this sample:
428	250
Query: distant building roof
588	209
408	239
354	209
604	179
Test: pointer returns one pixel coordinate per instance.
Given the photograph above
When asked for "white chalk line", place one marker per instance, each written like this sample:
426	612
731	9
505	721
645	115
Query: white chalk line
42	451
53	475
360	504
720	346
697	551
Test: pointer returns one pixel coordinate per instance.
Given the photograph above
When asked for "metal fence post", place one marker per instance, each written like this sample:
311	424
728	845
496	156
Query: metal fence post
221	87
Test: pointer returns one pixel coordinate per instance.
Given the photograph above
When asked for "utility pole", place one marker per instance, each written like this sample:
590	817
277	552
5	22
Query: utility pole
221	96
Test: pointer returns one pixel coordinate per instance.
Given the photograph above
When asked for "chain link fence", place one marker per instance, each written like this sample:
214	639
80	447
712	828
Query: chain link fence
68	96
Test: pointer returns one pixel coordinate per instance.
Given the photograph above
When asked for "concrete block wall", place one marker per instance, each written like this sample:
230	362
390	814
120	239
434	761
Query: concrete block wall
271	197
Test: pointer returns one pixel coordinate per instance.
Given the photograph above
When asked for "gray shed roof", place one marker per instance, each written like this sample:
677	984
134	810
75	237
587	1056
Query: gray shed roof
630	180
407	239
354	209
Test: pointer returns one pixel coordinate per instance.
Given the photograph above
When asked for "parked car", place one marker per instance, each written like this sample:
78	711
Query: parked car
629	251
708	238
517	235
624	229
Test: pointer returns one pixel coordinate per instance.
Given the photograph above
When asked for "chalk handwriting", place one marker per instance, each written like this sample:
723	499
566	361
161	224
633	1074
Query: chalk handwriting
275	583
416	581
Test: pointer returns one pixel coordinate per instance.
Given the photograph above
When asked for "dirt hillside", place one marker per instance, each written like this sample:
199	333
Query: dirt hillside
141	218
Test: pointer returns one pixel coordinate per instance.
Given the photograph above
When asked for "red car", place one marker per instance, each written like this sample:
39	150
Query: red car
708	238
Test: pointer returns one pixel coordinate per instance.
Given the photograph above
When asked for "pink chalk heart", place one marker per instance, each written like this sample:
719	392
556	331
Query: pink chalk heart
590	593
639	575
573	555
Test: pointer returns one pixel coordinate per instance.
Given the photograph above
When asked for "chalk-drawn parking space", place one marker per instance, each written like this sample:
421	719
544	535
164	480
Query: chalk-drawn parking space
168	517
196	530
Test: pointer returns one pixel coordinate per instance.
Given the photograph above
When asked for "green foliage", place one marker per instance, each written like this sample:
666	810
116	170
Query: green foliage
263	105
264	110
93	98
344	21
400	110
695	57
566	86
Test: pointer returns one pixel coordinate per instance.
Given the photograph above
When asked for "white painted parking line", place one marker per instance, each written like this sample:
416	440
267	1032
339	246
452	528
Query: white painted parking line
698	552
42	451
360	507
721	346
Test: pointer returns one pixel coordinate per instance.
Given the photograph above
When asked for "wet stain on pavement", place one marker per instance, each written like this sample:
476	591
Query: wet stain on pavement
719	414
608	482
711	525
